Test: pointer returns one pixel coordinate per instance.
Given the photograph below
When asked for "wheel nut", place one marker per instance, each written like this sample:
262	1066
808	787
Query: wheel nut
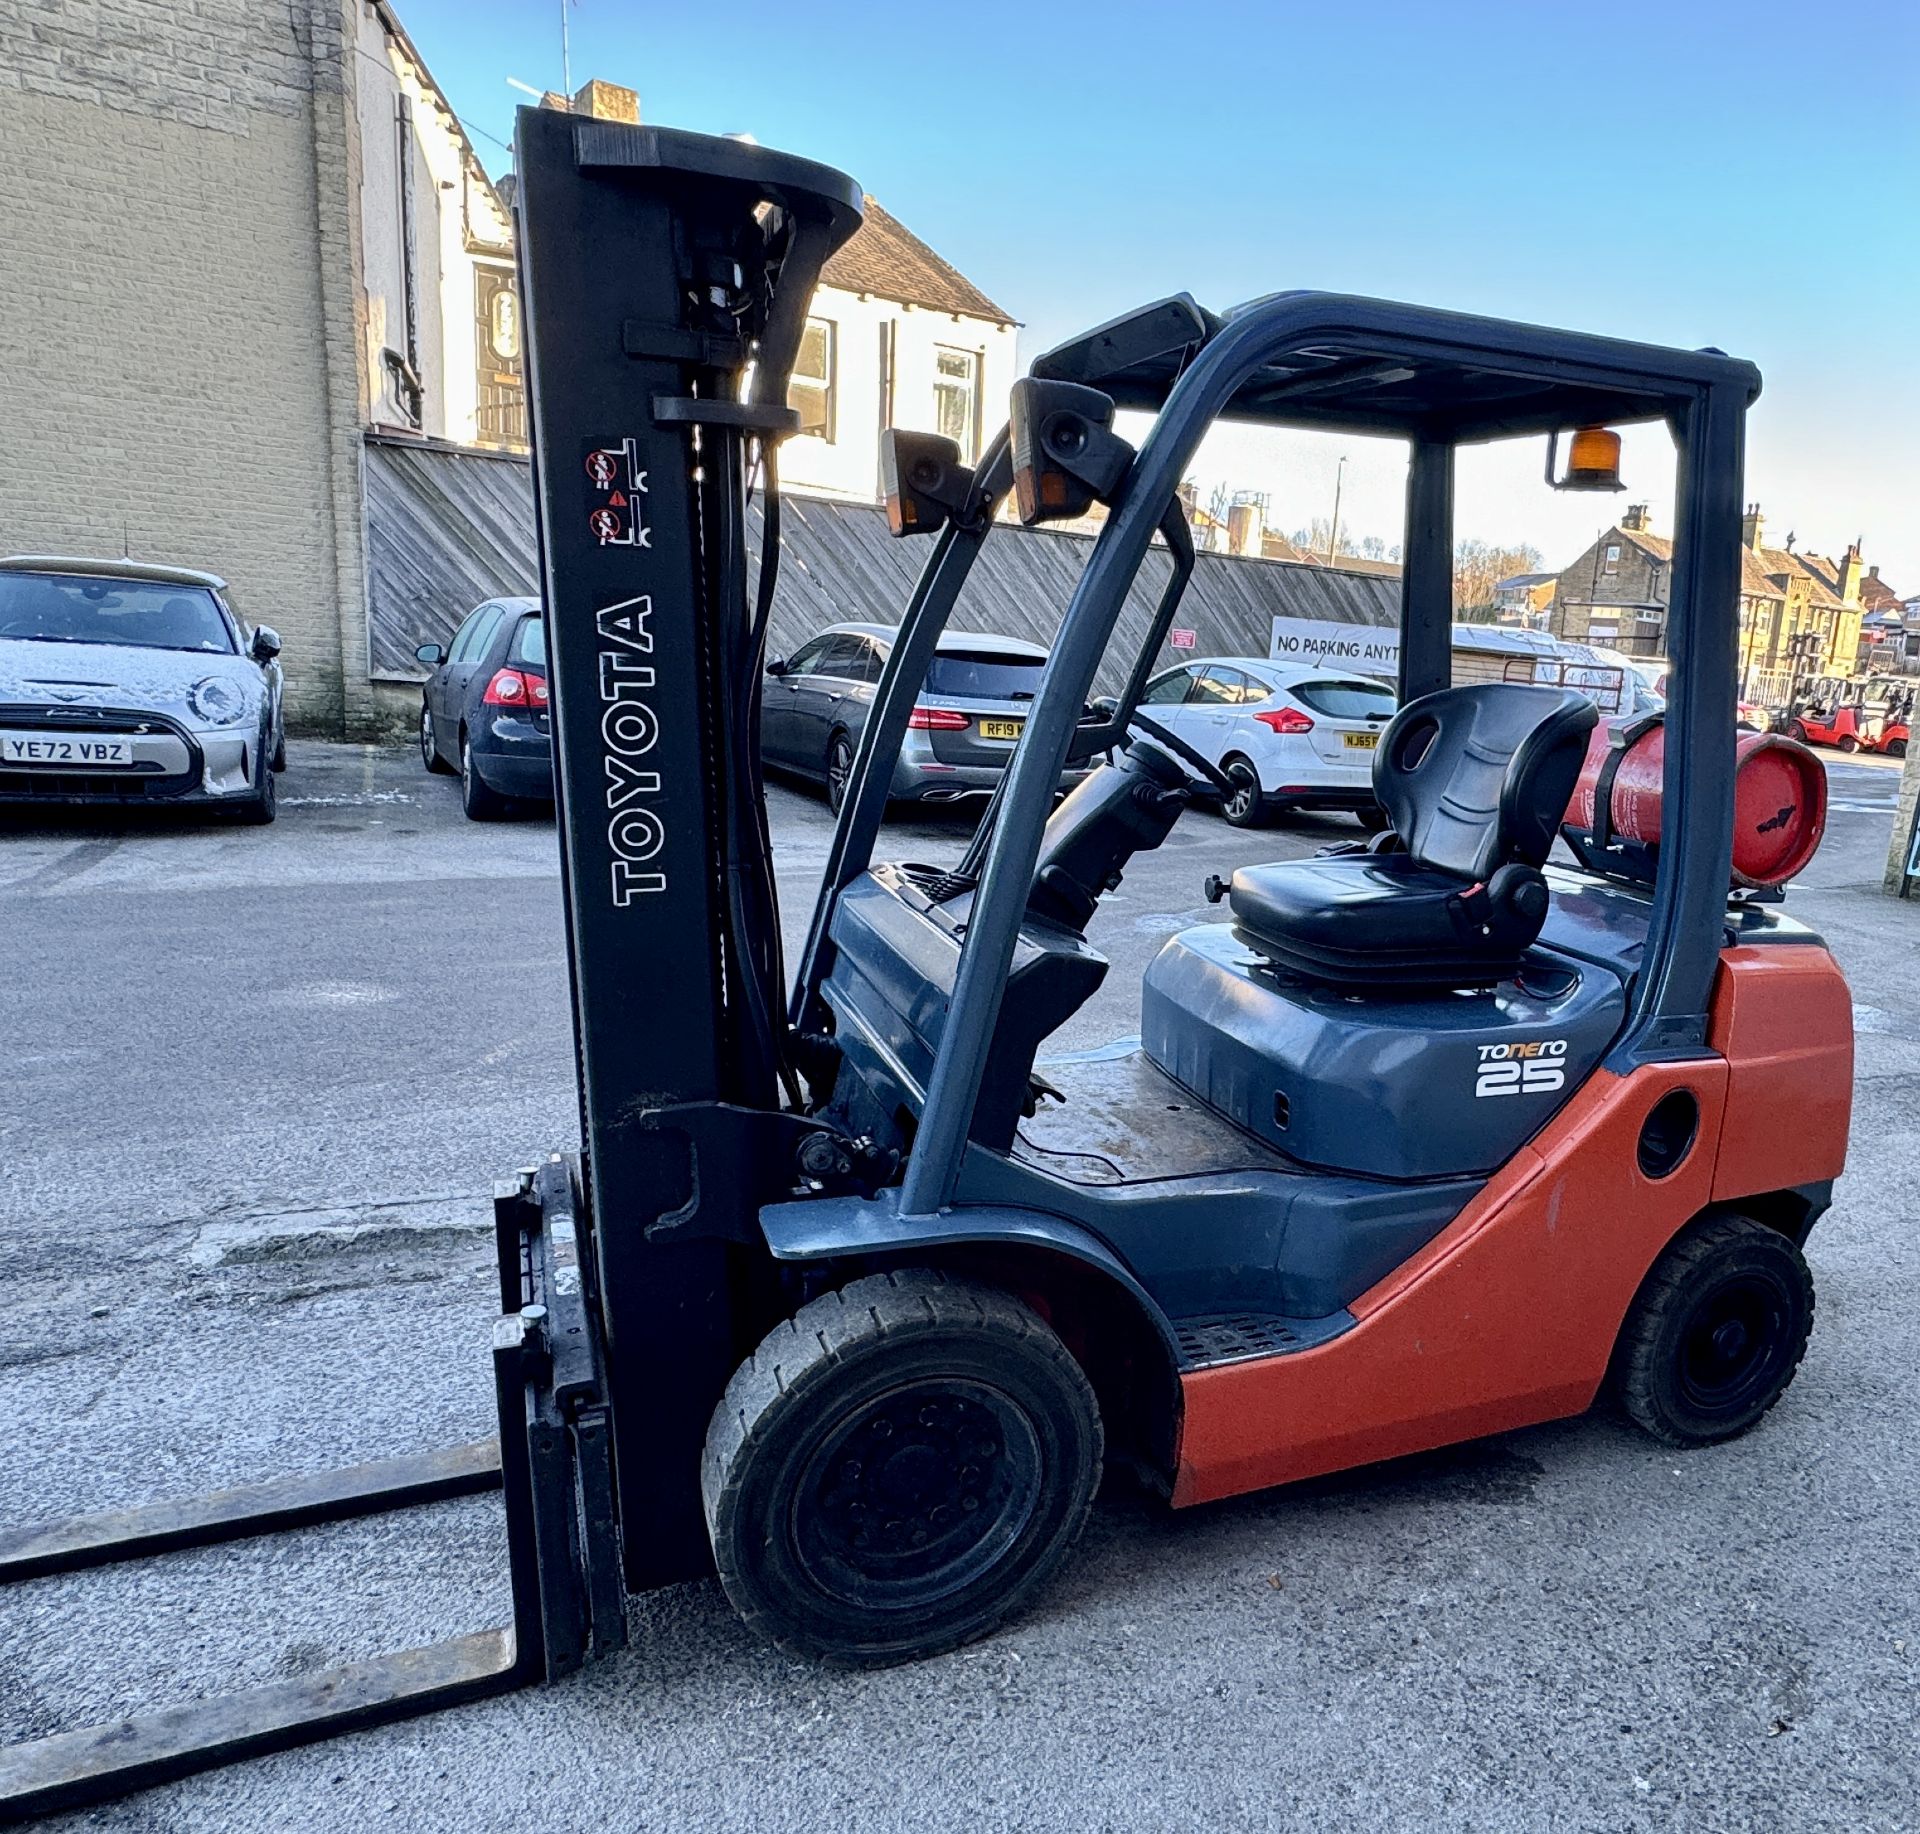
969	1502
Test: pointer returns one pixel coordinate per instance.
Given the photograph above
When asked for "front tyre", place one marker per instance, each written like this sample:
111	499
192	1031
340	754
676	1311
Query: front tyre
262	806
429	743
1716	1332
898	1468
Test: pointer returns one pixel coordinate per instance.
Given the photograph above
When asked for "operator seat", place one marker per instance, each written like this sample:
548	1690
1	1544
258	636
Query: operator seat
1475	780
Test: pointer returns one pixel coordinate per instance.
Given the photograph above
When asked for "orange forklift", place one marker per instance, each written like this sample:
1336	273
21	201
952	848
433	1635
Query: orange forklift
849	1301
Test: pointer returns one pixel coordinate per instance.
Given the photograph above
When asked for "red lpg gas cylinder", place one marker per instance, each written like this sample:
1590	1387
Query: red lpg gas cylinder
1779	798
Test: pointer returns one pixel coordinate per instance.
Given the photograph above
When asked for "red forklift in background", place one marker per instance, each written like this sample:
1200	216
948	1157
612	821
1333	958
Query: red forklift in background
842	1299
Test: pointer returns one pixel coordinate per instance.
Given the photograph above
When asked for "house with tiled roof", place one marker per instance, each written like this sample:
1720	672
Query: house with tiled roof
1617	592
897	337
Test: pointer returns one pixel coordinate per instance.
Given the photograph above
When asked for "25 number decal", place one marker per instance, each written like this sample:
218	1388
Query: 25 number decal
1536	1068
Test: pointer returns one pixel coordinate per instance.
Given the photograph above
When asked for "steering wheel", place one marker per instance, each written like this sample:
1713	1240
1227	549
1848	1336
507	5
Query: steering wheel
1215	777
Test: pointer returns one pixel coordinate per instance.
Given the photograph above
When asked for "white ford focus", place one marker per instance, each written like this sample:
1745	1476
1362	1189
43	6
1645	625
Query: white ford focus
1285	735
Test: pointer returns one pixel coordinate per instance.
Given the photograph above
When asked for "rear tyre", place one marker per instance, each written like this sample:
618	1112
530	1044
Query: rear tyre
429	744
839	770
1896	748
1716	1333
1244	805
480	802
279	761
1848	743
899	1468
1375	820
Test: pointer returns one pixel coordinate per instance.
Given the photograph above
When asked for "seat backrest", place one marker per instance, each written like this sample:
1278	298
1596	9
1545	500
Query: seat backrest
1477	776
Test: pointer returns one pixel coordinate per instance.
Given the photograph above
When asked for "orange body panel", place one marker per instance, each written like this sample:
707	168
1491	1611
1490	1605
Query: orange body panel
1509	1316
1784	1018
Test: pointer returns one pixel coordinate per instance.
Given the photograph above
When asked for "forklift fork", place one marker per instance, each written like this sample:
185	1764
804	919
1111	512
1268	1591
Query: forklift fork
552	1464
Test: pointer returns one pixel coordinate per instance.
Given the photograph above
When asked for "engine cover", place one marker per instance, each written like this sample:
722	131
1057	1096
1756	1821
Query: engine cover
1399	1083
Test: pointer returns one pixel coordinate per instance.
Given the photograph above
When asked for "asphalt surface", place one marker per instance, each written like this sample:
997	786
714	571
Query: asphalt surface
256	1087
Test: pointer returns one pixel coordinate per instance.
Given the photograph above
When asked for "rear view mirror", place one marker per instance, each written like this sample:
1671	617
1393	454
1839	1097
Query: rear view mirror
778	666
266	643
1066	455
923	482
431	654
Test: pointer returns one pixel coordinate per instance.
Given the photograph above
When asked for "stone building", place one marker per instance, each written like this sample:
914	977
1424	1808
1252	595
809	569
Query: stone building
178	320
1617	592
238	237
257	315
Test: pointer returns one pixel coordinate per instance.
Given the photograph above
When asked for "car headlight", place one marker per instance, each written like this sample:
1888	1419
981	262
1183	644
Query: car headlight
218	701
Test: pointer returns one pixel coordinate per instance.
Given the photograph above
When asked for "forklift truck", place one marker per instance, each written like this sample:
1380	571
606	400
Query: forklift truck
845	1300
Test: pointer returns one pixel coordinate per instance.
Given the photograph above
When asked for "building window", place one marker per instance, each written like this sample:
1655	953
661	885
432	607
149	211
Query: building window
501	407
811	388
1613	557
956	399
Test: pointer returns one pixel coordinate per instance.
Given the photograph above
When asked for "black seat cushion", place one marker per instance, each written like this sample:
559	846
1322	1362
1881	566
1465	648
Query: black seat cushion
1475	780
1381	918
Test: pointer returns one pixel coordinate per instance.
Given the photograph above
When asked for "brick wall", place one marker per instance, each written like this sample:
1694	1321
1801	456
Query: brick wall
177	301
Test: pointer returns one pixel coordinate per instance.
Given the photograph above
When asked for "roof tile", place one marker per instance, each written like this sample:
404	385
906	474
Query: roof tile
886	258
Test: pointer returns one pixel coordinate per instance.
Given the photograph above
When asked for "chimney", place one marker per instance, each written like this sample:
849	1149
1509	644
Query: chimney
601	101
1244	527
1189	495
606	102
1850	574
1638	517
1753	527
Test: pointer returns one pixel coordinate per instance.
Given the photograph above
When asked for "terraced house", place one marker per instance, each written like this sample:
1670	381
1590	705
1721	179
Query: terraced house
1616	595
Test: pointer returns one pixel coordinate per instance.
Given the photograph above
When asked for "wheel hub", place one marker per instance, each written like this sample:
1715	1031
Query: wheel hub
1731	1343
917	1493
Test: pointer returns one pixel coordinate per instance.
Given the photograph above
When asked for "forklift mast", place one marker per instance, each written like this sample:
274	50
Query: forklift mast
666	279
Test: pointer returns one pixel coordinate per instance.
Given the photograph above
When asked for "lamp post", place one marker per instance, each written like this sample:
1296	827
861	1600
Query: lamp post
1333	534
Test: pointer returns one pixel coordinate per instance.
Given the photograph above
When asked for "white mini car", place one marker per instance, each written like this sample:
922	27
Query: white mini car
122	682
1285	735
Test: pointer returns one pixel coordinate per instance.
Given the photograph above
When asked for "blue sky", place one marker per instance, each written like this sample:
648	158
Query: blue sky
1746	176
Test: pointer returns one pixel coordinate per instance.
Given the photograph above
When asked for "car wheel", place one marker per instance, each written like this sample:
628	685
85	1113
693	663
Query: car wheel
480	802
1797	729
261	807
430	744
279	761
898	1469
1244	805
1716	1333
1848	743
839	770
1896	748
1375	820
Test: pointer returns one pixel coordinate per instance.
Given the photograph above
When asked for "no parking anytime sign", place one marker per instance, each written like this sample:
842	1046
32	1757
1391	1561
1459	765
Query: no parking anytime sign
1368	649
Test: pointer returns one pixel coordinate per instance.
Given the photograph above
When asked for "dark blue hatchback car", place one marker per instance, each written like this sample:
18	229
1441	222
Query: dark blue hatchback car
483	710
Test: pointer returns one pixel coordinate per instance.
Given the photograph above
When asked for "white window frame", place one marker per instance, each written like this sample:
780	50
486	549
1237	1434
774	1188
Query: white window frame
976	361
824	386
1612	558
